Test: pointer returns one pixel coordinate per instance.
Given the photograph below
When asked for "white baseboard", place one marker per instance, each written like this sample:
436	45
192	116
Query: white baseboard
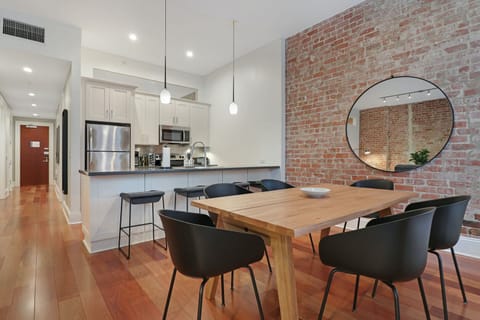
466	246
112	242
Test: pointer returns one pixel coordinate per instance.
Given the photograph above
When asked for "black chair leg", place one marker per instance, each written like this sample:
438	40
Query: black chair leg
223	290
374	290
268	260
129	227
231	281
325	295
120	228
442	284
311	242
358	223
169	295
395	299
175	202
345	226
458	275
153	223
254	283
355	294
200	299
424	298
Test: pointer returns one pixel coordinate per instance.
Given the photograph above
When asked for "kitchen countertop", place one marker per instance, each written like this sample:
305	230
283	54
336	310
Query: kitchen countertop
153	170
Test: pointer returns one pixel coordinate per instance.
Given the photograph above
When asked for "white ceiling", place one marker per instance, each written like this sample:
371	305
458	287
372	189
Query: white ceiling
205	27
47	82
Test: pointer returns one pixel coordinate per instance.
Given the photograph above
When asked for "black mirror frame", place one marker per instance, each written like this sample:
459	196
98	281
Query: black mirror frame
413	166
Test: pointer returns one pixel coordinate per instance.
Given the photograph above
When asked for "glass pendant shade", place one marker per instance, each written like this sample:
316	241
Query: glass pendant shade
233	108
165	96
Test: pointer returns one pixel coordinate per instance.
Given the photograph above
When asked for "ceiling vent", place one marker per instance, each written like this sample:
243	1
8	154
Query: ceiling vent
23	30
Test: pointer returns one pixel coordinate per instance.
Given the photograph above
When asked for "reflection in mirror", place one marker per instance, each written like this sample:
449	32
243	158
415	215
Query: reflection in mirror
399	124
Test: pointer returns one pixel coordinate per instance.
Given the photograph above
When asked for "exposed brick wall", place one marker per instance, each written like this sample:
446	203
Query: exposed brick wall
384	131
330	64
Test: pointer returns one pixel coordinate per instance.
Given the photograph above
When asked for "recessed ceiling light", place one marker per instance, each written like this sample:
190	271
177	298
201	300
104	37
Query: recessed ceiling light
189	53
132	36
34	104
27	69
35	114
31	94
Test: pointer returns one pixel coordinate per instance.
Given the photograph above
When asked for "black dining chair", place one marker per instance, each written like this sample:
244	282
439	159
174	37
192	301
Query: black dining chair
271	185
223	190
390	249
446	229
200	250
374	184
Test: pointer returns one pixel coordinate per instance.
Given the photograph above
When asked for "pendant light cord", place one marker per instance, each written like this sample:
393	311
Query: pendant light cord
233	63
165	46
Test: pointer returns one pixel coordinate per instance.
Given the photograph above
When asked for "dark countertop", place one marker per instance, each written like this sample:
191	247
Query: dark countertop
155	170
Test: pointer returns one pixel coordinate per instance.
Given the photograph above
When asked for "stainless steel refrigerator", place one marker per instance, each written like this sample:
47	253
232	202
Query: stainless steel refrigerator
107	146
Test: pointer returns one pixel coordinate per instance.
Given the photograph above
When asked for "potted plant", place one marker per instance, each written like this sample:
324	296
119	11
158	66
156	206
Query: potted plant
420	157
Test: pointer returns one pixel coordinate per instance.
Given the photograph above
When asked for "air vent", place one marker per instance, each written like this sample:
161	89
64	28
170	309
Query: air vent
23	30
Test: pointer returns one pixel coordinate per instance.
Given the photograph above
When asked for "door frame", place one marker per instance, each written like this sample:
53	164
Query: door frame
51	147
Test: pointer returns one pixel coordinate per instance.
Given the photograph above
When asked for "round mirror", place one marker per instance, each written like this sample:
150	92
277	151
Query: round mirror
399	124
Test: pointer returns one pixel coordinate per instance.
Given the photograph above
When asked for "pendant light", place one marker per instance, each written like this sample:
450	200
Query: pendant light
233	108
165	96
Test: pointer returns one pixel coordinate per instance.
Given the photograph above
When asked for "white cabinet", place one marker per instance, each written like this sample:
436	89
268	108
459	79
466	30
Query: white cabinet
199	123
147	110
107	102
177	113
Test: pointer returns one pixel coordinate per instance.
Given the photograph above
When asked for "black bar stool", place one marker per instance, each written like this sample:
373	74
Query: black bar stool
151	196
188	192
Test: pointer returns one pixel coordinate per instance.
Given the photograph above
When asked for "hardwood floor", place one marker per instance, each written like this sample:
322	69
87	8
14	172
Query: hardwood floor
46	273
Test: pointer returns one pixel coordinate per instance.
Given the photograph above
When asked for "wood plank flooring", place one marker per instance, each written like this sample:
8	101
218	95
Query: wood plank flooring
46	273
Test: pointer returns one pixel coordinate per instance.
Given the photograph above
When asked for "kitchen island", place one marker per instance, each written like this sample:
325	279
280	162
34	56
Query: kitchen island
100	197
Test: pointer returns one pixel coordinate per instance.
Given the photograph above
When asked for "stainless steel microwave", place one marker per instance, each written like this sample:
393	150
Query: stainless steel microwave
174	134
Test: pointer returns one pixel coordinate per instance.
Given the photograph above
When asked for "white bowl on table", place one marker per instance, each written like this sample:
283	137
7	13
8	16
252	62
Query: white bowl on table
313	192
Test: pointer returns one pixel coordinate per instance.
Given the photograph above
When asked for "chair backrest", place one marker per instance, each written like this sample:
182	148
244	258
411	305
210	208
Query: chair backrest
199	250
407	236
392	248
272	184
447	221
374	183
223	189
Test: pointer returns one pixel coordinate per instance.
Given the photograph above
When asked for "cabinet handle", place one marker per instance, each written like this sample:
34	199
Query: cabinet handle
111	114
106	114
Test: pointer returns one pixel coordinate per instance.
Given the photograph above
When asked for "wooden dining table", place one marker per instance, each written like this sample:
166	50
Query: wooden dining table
281	215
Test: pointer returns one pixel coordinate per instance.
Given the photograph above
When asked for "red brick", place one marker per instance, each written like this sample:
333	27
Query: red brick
331	63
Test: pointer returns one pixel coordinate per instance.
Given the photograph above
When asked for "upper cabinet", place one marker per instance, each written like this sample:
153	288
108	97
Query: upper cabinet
199	123
147	110
177	113
107	101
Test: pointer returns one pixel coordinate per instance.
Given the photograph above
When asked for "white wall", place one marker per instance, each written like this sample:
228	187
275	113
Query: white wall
102	60
61	42
254	136
5	149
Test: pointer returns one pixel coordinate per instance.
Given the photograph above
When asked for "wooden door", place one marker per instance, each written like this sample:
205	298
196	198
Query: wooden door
34	151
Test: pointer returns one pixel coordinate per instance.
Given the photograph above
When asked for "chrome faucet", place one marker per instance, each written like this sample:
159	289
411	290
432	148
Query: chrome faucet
204	151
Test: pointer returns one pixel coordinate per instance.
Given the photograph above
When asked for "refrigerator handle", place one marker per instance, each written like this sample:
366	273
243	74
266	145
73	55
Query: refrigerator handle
90	138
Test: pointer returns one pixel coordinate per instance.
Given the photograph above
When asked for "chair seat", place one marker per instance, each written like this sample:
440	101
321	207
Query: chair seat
142	197
190	192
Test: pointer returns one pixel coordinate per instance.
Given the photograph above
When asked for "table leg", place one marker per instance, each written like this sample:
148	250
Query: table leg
385	212
211	288
285	275
325	232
